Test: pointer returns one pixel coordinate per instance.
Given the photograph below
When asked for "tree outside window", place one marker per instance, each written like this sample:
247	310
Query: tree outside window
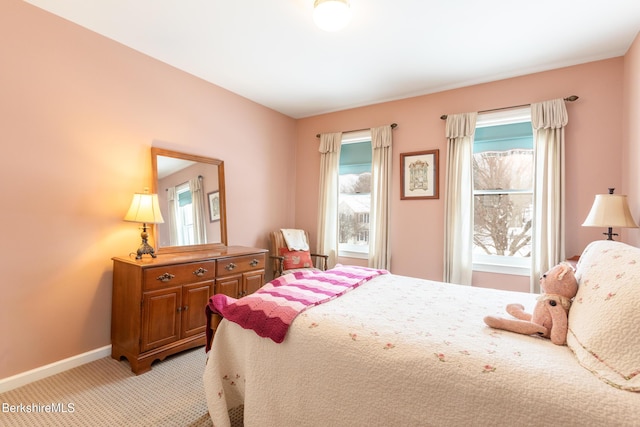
503	178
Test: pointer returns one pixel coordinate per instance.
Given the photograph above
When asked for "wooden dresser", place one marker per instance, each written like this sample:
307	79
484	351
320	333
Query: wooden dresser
158	306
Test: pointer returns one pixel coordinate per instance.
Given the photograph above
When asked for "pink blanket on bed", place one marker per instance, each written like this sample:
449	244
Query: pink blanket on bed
270	310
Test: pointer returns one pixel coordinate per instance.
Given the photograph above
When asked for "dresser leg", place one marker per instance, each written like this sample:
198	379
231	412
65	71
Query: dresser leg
140	367
137	366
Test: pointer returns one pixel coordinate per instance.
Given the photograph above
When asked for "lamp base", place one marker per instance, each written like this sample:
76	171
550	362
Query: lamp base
610	234
145	248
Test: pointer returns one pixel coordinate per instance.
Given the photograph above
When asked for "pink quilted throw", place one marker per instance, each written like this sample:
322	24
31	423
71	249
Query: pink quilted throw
271	310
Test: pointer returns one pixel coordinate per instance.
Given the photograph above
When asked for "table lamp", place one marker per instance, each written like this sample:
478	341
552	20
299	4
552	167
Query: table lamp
144	209
610	210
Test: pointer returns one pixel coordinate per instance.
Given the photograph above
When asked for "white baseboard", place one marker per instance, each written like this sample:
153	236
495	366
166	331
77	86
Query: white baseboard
24	378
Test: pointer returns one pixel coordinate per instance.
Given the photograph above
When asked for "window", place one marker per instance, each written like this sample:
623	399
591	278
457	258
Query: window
354	198
184	215
503	178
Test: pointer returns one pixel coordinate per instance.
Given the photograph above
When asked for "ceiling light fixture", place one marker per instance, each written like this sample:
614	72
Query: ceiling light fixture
331	15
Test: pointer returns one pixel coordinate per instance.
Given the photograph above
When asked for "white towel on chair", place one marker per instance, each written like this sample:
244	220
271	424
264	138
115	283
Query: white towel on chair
295	239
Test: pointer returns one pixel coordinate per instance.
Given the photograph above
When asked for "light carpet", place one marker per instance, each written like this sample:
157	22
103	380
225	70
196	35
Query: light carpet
106	393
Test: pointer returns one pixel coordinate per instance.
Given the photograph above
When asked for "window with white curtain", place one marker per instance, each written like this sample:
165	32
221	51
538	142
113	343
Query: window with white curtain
184	217
354	198
503	181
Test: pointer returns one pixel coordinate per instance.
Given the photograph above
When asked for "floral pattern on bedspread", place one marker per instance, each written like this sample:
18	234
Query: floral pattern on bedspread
447	320
420	343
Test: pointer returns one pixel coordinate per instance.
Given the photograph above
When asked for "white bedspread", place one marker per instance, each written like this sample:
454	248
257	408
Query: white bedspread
400	351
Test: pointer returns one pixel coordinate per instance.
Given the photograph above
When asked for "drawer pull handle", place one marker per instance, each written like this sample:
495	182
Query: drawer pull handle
186	307
165	277
254	262
200	272
230	266
179	309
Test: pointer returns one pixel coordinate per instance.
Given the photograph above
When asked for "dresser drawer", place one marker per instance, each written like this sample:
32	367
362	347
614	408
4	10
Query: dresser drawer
240	264
171	275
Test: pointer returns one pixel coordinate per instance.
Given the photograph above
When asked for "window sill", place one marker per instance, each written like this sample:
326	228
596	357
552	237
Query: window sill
502	269
349	254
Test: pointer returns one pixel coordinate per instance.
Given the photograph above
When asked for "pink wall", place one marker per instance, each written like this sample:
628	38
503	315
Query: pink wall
631	135
594	155
79	114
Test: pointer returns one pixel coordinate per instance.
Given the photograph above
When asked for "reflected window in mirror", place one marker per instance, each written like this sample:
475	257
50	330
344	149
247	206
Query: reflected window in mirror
183	183
184	216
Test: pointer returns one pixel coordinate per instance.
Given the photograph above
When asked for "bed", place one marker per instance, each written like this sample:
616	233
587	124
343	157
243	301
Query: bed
403	351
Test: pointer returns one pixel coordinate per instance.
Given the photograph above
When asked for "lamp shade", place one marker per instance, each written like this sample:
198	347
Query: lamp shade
610	210
144	208
331	15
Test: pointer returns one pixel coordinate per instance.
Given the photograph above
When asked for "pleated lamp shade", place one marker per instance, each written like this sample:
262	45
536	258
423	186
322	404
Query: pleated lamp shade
610	210
145	209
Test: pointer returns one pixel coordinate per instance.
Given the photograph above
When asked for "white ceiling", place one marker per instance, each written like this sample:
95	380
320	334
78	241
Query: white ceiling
270	51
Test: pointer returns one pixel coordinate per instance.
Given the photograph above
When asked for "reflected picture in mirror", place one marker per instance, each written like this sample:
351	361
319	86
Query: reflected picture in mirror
214	206
191	195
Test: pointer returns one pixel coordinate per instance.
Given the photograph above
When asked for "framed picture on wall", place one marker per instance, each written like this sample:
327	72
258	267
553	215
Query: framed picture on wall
214	206
419	175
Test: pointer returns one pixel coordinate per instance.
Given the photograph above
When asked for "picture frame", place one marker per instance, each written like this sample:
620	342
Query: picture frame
419	175
214	206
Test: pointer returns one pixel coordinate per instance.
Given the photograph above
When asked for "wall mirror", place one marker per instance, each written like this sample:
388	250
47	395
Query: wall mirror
192	200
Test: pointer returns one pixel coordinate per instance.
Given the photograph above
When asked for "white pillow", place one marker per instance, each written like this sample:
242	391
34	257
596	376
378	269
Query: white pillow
604	320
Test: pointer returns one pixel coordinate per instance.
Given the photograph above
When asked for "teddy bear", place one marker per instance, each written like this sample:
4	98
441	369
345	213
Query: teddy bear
550	314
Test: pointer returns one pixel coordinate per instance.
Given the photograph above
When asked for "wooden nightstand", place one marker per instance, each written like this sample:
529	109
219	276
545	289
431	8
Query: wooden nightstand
574	261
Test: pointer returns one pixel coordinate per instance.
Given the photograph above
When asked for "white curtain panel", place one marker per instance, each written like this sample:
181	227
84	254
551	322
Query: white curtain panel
172	209
199	216
381	163
458	201
328	196
548	120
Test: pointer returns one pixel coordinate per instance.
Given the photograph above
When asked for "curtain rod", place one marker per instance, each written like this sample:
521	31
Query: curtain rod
568	99
393	126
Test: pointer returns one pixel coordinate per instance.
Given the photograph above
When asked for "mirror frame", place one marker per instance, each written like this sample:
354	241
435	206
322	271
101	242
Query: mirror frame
155	152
